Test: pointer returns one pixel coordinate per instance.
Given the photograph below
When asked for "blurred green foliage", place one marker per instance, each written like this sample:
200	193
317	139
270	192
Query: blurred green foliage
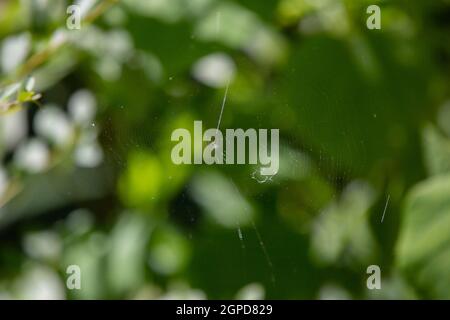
86	175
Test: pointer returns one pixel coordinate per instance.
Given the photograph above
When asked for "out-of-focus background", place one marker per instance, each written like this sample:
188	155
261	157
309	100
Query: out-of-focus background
86	177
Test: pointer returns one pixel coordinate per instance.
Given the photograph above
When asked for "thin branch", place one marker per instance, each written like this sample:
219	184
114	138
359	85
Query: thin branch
41	57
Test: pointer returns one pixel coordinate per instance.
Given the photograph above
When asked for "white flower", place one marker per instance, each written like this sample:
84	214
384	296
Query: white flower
88	155
82	107
13	128
214	70
52	123
14	51
32	156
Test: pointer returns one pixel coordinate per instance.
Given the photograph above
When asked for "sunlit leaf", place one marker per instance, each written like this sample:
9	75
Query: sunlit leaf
424	242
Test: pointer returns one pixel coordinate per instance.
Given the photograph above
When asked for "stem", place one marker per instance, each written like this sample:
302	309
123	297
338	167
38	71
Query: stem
40	58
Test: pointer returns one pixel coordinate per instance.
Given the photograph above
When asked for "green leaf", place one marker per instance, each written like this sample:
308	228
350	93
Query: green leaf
169	251
221	199
140	184
343	229
126	260
437	151
423	250
25	96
